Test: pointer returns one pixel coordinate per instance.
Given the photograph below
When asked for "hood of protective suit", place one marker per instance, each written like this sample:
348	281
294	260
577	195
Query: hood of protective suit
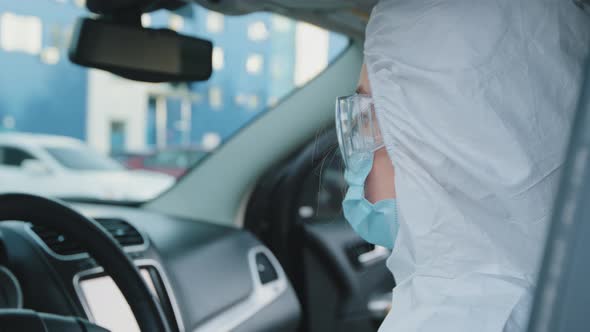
475	100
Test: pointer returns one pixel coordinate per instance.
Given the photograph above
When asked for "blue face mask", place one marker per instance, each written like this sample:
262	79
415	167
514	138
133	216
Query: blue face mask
376	223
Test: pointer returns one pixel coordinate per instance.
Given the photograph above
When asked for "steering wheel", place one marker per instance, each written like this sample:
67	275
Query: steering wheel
101	246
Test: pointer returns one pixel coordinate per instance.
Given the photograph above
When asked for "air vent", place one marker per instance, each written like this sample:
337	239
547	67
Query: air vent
121	230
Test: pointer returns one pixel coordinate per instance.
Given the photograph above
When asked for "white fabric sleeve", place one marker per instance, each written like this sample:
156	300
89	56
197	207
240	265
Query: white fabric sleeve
475	100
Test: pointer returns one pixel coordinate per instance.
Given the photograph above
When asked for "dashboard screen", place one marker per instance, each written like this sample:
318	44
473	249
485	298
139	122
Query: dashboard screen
107	304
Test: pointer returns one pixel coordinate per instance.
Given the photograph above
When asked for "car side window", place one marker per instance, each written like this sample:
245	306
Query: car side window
323	191
10	156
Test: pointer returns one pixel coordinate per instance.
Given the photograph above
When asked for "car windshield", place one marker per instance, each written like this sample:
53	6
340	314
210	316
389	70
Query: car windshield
156	132
82	159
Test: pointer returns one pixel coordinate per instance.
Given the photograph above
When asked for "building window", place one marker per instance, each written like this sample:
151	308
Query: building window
241	99
250	101
67	36
214	22
175	22
272	101
309	64
118	136
215	98
151	127
254	64
217	58
281	23
50	55
211	141
8	122
257	31
253	102
20	33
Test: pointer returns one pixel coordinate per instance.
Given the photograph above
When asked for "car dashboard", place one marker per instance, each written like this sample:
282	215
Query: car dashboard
206	277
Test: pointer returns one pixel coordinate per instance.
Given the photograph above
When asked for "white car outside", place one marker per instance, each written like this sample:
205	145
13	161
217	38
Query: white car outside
59	166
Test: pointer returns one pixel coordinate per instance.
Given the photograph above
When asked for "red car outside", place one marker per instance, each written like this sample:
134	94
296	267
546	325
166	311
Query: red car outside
172	161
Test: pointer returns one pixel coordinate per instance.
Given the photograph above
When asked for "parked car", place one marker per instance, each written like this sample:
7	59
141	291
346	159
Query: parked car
66	167
174	161
131	159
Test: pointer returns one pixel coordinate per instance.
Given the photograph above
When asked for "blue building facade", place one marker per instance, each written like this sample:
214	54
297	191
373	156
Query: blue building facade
35	96
254	60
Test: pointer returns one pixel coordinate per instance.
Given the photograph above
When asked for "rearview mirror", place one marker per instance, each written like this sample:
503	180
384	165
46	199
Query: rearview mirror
141	54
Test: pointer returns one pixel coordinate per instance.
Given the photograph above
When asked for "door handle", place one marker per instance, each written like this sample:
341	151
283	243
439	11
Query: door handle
380	305
371	257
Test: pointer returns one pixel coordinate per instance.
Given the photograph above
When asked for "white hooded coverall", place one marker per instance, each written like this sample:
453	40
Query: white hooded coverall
475	100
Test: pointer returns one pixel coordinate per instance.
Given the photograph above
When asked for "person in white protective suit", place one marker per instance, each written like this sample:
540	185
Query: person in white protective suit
453	146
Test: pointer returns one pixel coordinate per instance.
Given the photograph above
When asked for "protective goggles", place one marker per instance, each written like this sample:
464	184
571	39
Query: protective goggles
357	128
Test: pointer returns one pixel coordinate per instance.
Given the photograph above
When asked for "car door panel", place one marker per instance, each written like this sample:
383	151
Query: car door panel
341	280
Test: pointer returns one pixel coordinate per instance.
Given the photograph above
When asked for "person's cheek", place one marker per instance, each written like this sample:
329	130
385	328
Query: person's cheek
380	183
